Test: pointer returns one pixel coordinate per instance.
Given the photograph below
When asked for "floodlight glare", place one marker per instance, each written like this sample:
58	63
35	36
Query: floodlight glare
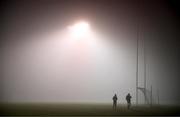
80	30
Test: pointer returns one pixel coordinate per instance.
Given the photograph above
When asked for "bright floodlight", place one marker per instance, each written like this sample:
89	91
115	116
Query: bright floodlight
80	30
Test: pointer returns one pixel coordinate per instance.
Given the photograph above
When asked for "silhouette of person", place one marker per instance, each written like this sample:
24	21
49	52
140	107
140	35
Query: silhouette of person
128	99
115	101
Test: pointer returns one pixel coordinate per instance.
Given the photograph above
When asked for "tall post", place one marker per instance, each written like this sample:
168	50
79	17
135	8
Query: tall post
137	67
151	95
145	100
158	96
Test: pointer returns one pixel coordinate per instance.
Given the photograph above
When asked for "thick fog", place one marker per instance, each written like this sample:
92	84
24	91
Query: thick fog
41	62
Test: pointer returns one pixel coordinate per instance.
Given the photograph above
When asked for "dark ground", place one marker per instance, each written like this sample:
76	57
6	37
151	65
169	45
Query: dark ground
84	109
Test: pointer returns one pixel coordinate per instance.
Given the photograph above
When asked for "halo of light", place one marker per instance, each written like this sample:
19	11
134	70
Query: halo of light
80	30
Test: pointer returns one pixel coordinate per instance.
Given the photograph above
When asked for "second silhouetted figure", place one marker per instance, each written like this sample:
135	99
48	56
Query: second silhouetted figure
128	99
115	101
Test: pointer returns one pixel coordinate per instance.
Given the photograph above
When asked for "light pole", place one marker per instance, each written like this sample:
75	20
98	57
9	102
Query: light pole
137	62
145	71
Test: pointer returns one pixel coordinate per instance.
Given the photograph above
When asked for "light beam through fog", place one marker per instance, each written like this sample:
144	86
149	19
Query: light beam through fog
56	67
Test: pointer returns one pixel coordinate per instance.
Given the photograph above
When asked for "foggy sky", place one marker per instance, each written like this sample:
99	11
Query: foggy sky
39	64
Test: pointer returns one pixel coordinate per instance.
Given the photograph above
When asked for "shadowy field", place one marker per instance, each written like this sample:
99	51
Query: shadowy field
84	109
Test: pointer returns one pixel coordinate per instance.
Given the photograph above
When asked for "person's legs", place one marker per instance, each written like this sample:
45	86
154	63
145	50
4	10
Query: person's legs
113	104
129	104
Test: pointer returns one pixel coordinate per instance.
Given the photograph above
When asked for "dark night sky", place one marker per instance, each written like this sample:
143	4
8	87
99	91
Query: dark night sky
158	24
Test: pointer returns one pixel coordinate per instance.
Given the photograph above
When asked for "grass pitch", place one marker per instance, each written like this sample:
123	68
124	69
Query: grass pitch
94	109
